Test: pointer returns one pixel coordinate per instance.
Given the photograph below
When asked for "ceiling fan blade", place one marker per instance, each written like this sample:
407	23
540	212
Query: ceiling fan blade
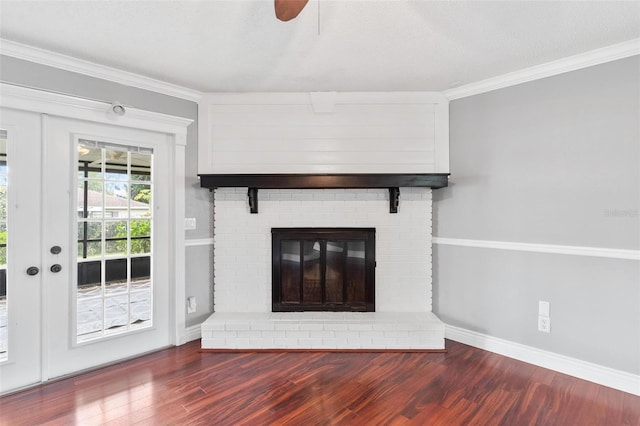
286	10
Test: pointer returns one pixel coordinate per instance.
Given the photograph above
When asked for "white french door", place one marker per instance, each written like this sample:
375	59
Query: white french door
106	207
20	256
89	206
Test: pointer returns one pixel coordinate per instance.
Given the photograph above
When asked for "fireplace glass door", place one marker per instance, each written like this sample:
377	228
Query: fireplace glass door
323	269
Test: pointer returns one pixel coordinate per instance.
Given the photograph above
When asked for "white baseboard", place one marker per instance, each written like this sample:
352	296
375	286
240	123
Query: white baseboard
193	333
605	376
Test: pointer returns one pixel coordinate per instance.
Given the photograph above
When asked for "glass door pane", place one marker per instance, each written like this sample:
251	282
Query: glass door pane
356	272
290	271
334	273
312	279
114	223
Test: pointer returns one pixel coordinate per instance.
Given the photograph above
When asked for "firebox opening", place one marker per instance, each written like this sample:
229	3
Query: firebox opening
323	269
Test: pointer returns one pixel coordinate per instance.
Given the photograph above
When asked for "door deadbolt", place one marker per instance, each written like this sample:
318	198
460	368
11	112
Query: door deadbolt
55	268
32	270
55	250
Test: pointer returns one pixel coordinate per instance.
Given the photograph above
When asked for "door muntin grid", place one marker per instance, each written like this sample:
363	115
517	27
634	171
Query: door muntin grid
114	291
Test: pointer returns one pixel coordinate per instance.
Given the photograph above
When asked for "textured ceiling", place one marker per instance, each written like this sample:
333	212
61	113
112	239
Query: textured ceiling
333	45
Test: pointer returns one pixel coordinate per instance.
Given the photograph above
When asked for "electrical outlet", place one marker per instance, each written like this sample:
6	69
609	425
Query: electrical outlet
544	324
191	304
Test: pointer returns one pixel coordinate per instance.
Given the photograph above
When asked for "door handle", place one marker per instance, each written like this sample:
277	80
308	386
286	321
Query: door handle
55	268
32	270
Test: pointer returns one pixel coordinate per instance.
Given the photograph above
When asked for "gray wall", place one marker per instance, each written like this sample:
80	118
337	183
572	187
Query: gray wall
198	200
554	161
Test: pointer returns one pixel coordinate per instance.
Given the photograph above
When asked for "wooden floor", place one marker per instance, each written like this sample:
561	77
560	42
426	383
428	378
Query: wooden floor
181	386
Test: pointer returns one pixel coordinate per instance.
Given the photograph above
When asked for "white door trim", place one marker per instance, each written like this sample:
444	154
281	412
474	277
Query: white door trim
39	101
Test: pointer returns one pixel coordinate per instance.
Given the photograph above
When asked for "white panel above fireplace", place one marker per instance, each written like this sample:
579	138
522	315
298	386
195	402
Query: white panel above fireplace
311	133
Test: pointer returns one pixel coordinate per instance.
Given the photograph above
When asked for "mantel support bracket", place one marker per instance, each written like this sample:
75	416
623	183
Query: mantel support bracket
394	199
252	193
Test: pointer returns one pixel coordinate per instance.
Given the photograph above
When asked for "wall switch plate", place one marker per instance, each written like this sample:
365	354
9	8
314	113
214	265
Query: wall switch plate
191	304
189	223
543	308
544	324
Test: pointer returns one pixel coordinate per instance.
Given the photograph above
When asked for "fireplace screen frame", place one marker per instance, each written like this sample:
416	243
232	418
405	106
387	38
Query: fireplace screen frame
323	235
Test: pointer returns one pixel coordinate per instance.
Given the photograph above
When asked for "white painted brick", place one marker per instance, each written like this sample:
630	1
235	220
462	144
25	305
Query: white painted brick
396	333
262	343
281	343
273	334
242	343
213	343
212	326
322	334
340	343
249	334
344	334
297	334
263	326
287	326
311	326
309	343
384	342
225	334
205	334
359	327
371	334
385	327
402	347
306	195
243	241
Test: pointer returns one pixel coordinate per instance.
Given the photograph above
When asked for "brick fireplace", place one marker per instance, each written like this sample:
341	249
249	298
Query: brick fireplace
243	317
323	160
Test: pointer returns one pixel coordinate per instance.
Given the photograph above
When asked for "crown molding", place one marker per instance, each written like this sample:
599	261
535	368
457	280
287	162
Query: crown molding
560	66
80	66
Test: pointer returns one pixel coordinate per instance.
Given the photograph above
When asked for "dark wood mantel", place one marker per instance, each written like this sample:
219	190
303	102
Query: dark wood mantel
393	181
318	181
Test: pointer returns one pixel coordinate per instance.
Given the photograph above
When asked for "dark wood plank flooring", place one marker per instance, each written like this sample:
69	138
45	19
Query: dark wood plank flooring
182	386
